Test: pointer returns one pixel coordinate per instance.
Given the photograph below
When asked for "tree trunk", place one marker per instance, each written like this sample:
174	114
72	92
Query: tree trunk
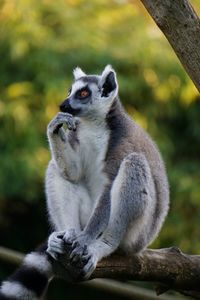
181	26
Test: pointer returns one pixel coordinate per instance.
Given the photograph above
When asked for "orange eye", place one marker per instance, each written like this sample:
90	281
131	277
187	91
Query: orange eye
84	93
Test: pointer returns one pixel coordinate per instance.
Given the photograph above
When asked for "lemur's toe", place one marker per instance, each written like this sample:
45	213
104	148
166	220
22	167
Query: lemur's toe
55	244
77	254
89	267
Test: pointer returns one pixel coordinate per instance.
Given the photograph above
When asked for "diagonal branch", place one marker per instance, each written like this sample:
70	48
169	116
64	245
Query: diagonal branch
181	26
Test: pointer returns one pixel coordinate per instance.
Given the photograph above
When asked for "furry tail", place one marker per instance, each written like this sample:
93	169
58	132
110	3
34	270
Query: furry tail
31	279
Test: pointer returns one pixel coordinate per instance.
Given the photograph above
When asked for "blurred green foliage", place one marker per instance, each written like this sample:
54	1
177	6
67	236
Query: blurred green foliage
40	43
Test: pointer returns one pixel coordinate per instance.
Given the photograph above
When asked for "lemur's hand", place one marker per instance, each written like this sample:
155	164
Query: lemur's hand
61	118
56	244
78	248
80	252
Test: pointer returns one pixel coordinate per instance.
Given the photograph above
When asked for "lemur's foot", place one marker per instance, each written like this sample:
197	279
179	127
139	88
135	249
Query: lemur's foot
60	119
84	258
56	244
81	256
90	266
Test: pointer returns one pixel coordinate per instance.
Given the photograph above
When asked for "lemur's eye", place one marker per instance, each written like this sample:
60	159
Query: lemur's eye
83	93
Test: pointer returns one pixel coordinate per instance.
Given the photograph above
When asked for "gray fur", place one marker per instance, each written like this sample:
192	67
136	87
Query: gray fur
90	79
106	184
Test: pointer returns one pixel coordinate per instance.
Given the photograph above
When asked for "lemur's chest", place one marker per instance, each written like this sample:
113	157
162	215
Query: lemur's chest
93	141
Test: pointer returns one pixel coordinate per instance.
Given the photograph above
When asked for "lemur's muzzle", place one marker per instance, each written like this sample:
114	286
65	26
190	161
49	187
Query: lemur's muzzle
66	107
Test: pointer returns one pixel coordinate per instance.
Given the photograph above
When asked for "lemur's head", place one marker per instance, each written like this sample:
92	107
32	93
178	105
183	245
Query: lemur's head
91	94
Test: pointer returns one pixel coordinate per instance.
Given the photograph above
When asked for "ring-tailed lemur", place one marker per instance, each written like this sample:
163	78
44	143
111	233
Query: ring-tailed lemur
106	185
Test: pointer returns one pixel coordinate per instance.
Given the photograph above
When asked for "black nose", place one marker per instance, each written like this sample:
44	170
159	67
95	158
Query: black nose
64	106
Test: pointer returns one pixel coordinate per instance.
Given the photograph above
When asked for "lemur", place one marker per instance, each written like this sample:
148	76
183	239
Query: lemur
106	186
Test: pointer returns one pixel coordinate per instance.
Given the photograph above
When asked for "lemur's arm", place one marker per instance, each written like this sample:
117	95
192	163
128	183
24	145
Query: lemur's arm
100	217
64	155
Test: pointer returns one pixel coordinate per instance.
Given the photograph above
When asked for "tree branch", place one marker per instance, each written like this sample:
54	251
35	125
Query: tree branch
169	267
181	26
11	256
127	291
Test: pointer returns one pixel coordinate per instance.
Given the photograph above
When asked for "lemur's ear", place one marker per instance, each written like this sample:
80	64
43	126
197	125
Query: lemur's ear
108	81
78	73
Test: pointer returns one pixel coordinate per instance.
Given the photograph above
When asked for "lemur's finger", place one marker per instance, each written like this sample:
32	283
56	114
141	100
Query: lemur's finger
69	236
69	126
57	128
72	124
85	250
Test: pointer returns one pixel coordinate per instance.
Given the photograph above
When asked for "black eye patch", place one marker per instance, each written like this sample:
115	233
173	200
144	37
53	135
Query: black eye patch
83	93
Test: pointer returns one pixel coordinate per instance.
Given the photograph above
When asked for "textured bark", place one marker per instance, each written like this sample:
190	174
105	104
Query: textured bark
181	26
169	267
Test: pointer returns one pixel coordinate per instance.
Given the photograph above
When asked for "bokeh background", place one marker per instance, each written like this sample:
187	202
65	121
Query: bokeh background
40	43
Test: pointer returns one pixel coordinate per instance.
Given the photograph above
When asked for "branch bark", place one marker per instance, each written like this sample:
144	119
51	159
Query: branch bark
181	26
169	267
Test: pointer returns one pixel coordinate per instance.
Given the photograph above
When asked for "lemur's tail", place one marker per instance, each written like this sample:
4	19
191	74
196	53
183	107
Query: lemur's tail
31	279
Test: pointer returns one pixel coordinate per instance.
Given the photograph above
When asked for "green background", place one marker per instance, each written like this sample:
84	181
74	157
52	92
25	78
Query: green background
40	44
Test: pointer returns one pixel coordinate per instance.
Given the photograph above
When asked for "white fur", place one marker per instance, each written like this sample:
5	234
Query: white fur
78	73
16	290
94	142
39	262
70	204
63	199
78	85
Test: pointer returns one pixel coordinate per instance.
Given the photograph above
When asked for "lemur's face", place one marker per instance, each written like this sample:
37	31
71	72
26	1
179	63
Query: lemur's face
91	95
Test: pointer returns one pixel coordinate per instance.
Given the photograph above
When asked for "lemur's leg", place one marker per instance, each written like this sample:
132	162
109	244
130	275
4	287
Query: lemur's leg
132	206
64	193
64	150
64	200
63	169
